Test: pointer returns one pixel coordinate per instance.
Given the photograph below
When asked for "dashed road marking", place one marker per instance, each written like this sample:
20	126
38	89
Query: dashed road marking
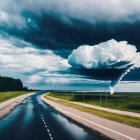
49	133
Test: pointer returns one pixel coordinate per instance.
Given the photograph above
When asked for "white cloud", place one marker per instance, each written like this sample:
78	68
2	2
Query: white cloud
57	80
3	16
110	54
34	79
28	59
95	11
106	55
12	20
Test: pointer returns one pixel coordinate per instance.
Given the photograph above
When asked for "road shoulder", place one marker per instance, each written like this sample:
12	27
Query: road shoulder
7	106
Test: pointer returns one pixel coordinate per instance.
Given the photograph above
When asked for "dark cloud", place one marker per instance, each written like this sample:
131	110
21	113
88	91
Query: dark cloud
49	31
99	74
68	24
133	75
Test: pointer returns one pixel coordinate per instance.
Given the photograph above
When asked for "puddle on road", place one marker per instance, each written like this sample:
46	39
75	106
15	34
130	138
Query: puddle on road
78	132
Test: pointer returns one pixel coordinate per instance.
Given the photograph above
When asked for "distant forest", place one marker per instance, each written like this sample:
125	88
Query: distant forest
11	84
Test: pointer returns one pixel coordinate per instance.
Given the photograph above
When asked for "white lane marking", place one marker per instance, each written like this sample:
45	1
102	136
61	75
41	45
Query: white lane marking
66	112
50	135
47	129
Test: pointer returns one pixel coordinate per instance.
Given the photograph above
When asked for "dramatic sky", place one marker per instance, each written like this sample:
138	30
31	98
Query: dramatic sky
71	44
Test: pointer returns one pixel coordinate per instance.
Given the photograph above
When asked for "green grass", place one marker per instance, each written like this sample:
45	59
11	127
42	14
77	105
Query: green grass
4	96
127	102
132	121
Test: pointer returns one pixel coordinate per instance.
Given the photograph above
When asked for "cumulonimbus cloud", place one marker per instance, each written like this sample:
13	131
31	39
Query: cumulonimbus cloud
109	60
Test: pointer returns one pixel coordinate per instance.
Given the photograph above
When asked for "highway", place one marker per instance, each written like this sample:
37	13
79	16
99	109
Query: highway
32	119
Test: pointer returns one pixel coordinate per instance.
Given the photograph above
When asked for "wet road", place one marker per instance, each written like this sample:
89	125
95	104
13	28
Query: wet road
35	120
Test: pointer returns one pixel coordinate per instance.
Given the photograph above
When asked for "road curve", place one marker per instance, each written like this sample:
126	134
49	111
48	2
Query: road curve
35	120
109	128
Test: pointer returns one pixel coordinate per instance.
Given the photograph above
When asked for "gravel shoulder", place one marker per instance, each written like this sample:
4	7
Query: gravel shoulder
7	106
109	128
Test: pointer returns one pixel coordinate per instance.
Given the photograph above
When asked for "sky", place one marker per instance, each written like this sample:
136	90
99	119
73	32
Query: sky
71	45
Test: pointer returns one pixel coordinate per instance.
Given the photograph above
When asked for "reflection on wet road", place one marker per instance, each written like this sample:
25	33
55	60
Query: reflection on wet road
34	120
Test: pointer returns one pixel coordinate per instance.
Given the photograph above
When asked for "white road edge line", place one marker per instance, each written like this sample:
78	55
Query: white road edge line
66	112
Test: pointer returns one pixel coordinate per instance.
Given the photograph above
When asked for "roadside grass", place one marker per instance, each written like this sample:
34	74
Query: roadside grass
132	121
4	96
126	102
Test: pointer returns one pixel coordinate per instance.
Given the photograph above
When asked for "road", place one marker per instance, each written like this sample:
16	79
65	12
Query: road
35	120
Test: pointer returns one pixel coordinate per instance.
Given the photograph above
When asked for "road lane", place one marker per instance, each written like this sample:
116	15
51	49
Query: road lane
33	119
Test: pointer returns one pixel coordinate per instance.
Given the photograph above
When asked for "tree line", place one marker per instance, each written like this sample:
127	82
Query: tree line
11	84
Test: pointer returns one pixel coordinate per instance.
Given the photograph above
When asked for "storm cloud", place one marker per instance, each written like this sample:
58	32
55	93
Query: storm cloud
64	25
109	60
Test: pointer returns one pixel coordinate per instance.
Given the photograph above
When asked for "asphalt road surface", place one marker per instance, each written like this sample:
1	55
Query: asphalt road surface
35	120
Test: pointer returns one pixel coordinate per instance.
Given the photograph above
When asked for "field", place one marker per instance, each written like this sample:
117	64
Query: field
127	102
11	94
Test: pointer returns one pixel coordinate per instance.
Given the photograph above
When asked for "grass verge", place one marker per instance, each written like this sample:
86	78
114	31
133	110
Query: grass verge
4	96
127	102
132	121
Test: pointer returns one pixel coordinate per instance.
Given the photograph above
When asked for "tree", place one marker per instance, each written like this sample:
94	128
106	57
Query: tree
11	84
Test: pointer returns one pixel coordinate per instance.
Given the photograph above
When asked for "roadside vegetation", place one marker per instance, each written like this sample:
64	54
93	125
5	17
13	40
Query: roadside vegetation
132	121
127	102
4	96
